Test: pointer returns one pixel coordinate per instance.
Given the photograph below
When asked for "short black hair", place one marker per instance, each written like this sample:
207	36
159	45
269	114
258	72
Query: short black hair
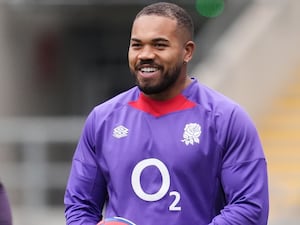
171	11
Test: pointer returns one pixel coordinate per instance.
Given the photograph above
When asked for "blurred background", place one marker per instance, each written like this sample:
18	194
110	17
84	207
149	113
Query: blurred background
60	58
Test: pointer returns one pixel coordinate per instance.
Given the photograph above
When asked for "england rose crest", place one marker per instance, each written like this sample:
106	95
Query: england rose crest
191	134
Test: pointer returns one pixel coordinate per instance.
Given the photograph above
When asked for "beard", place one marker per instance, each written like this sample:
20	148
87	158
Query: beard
166	80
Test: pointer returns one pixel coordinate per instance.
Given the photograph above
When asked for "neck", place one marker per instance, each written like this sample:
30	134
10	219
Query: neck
173	91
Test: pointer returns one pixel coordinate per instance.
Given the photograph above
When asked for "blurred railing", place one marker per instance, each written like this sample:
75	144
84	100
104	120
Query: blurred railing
35	157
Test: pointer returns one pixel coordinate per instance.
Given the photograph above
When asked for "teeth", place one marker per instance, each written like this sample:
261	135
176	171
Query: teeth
148	69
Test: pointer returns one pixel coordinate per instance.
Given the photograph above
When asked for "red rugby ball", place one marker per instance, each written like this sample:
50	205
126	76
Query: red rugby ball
116	221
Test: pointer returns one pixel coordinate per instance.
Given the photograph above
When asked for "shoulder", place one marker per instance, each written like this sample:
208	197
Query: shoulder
224	113
116	102
235	131
102	111
210	100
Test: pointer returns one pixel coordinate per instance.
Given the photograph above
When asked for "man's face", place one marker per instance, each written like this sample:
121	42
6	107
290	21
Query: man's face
156	54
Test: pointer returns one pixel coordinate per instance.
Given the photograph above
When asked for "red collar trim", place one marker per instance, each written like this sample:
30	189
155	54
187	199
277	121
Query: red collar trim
160	108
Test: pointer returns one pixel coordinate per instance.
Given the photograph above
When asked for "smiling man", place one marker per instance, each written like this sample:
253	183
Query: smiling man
158	54
170	150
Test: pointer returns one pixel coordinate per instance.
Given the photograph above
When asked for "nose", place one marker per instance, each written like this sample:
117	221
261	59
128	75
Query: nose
146	53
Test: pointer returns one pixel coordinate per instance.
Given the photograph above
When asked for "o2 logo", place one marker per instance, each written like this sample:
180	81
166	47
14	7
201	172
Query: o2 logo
163	190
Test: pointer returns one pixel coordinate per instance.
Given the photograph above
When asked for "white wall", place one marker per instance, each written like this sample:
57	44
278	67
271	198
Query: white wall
258	55
6	80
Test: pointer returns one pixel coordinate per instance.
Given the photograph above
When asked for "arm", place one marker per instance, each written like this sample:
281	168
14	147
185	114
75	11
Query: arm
86	188
244	175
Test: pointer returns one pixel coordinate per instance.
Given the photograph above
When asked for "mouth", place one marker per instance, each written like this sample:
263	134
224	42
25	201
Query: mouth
148	70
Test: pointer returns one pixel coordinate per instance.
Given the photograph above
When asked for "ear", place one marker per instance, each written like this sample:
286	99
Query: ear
189	50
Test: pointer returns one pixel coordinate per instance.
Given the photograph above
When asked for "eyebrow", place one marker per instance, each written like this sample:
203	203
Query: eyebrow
135	39
153	40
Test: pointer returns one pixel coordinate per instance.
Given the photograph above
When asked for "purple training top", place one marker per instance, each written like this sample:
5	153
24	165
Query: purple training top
5	211
195	159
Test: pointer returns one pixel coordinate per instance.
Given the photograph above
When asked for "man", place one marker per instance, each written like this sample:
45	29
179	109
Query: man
5	211
171	150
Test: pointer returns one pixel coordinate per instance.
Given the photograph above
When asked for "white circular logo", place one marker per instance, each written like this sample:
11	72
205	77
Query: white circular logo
136	179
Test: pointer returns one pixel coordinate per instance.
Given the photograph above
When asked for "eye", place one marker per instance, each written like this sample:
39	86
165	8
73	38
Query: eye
160	46
135	45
